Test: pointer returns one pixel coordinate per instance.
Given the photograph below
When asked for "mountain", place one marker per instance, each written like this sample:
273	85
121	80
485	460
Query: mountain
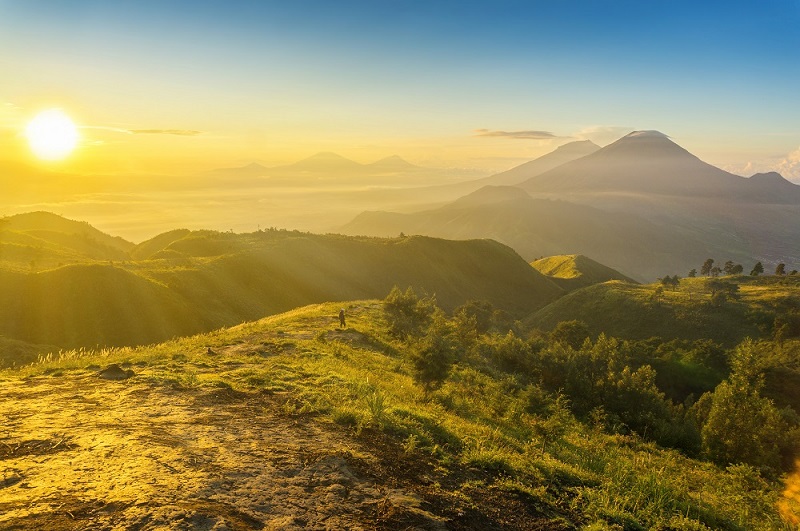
562	155
393	164
187	282
576	271
648	162
543	227
642	205
253	169
323	162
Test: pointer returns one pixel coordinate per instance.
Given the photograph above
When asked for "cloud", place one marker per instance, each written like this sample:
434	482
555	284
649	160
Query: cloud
524	135
602	134
179	132
787	165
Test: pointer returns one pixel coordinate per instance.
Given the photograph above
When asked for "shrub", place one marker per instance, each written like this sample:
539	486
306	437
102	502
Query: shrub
406	313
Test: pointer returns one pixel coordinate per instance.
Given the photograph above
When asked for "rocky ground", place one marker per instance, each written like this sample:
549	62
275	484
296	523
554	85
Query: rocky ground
81	452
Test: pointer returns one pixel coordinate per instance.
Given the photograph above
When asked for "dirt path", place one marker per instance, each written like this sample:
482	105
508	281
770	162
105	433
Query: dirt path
79	452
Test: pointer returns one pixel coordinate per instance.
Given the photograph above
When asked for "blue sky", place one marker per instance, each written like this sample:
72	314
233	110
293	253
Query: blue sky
273	81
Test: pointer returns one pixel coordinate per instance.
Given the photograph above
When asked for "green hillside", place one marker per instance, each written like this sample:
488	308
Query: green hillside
635	311
576	271
204	280
39	240
505	440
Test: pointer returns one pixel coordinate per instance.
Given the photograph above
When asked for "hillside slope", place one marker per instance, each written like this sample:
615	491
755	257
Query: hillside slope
634	311
42	239
204	280
576	271
293	423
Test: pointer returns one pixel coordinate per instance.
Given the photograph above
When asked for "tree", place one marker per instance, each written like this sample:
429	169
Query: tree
482	311
732	269
715	271
721	291
707	265
658	293
757	269
741	425
728	267
692	273
780	269
572	333
670	281
406	313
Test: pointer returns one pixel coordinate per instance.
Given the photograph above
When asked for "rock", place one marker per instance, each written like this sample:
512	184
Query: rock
115	372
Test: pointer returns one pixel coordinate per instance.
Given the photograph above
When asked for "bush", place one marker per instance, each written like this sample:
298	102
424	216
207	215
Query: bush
406	313
434	354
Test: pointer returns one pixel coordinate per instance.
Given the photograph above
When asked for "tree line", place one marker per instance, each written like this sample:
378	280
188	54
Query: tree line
709	269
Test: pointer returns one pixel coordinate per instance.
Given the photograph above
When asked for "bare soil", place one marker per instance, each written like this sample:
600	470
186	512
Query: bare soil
81	452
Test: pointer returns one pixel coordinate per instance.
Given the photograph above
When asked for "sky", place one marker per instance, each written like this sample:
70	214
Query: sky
176	87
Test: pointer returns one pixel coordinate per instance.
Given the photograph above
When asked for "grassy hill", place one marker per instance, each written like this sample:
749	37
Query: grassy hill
204	280
574	271
39	240
635	311
353	439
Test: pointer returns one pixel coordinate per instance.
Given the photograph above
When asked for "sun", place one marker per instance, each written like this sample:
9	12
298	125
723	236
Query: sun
51	135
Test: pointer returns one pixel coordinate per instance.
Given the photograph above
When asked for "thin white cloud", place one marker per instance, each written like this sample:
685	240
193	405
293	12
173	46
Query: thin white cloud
602	134
178	132
523	135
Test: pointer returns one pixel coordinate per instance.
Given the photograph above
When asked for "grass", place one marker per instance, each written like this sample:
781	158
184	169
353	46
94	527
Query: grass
634	311
475	427
575	271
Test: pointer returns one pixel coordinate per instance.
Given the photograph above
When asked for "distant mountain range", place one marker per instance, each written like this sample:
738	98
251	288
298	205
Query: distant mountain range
325	165
643	205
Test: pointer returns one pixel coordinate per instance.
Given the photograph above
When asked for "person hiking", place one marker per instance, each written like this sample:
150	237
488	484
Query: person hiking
341	319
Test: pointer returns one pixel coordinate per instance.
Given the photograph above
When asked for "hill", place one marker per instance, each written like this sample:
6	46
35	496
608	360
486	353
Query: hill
535	227
352	442
631	311
42	239
187	282
576	271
